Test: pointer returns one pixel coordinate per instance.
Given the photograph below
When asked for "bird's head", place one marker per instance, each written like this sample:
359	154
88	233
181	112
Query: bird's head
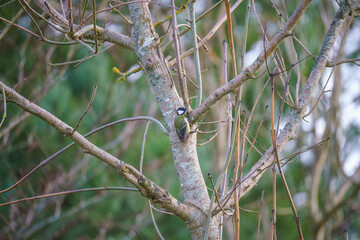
181	111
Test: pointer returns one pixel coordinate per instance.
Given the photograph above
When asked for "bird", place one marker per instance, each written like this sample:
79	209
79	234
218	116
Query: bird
182	124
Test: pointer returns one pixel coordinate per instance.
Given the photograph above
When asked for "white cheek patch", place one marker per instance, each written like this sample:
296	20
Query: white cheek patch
180	112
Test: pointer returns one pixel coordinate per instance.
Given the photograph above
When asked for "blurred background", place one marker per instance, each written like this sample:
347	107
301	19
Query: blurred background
324	180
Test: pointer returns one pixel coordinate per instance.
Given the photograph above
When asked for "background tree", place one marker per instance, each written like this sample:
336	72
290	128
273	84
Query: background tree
261	80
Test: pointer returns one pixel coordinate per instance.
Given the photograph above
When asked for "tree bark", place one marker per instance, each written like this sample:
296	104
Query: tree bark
148	49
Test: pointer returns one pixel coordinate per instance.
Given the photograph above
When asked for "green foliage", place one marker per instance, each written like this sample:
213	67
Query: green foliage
65	92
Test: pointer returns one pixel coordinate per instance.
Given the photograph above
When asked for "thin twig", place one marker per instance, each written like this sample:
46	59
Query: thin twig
154	222
177	46
273	225
273	137
224	170
7	3
228	142
216	194
170	17
13	123
69	192
87	109
217	131
85	45
4	114
71	21
353	60
196	53
199	18
246	127
286	89
46	161
161	211
31	17
63	22
22	28
291	156
14	19
95	30
80	60
255	137
38	15
238	93
121	14
143	146
238	163
231	38
210	33
260	213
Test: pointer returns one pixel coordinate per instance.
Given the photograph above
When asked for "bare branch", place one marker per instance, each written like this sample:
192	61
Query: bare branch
179	61
46	161
4	114
87	108
69	192
147	188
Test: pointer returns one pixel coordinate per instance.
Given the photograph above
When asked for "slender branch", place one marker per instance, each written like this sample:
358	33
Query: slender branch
353	60
292	156
229	127
80	60
188	29
147	188
87	108
94	24
196	53
30	11
71	21
206	141
13	123
3	5
154	222
4	114
13	20
143	146
273	138
216	194
22	28
69	192
179	63
260	213
211	33
170	17
46	161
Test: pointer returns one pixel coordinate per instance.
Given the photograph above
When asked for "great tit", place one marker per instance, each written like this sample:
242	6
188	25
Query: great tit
182	124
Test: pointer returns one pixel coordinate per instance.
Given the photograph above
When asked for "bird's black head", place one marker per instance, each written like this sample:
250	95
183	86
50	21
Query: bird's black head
181	111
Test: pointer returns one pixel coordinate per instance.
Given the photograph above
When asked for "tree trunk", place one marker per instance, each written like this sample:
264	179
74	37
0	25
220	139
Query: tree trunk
148	49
